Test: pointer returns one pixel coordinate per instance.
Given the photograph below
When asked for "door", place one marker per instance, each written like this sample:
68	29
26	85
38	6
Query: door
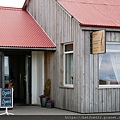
28	79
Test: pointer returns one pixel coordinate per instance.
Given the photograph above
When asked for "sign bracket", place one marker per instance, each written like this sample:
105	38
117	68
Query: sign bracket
6	112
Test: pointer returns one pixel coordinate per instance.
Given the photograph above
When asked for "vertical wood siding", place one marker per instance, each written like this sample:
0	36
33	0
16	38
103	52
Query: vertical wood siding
94	99
86	97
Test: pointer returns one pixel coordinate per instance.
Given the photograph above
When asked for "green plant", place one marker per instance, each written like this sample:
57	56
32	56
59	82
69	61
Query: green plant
47	88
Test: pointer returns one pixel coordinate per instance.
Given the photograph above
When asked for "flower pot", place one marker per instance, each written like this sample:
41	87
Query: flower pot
49	105
44	101
41	100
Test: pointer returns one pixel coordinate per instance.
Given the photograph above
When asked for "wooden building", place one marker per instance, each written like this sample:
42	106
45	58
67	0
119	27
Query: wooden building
81	81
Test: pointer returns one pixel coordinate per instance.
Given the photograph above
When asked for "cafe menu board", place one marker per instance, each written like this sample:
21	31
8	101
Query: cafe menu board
98	42
6	98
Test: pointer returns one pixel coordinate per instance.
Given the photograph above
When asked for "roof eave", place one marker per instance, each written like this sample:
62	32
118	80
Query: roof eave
30	49
102	26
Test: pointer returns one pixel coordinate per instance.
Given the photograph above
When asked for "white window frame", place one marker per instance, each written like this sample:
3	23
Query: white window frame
111	86
68	52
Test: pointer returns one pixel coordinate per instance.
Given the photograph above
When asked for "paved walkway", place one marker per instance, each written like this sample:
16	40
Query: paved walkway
38	110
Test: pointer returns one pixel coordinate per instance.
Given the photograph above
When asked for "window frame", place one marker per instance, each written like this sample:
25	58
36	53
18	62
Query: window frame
110	86
64	75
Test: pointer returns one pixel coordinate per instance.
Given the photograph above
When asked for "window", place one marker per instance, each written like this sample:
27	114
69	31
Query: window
68	65
6	69
109	65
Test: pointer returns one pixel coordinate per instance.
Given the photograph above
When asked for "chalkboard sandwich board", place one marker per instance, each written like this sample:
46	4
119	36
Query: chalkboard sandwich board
7	98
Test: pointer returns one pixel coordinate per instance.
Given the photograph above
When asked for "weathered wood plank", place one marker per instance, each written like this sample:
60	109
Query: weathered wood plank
117	102
82	73
91	84
108	36
113	100
112	36
87	71
100	103
95	83
104	100
75	68
117	37
109	100
77	102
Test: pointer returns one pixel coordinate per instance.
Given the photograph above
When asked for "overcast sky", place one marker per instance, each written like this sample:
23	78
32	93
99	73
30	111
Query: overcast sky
12	3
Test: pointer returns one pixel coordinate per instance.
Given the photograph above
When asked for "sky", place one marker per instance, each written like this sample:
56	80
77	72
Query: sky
12	3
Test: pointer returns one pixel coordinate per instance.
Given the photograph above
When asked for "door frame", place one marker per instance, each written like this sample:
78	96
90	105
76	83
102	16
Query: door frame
37	76
15	53
27	79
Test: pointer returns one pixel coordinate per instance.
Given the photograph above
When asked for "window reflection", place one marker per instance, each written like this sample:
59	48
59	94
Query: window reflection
69	68
109	65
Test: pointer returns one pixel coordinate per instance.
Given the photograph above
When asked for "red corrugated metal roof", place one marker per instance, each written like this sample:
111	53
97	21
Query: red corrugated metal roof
104	13
19	29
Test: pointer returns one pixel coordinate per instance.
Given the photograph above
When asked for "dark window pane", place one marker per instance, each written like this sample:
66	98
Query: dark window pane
69	47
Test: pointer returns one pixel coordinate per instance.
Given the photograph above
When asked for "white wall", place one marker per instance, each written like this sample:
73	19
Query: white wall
37	76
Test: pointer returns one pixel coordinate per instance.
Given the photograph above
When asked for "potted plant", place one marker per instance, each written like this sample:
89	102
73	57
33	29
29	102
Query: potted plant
46	96
41	100
47	88
50	104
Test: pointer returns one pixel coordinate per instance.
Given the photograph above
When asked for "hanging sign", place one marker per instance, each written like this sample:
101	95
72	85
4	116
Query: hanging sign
6	98
98	40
